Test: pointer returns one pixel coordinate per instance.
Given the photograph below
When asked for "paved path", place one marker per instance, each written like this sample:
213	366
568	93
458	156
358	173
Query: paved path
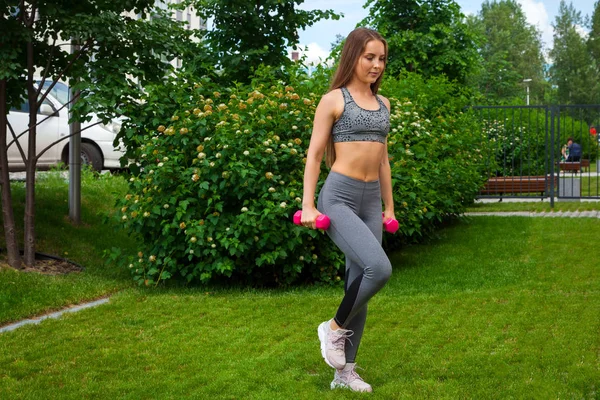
567	214
54	315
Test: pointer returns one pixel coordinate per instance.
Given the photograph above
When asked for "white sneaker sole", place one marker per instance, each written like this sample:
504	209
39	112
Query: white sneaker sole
322	332
336	385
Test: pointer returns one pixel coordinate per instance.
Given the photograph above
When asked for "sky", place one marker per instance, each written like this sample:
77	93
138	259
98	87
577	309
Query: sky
321	35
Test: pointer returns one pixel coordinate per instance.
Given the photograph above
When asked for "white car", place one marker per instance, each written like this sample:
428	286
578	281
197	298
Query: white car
97	147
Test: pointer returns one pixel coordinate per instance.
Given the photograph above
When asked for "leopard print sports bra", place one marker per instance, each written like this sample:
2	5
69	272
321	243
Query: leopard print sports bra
357	124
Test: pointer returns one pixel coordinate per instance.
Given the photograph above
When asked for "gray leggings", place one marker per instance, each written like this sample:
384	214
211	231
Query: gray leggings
354	208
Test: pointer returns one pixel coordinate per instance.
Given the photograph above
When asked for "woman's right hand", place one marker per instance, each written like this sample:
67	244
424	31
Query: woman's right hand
309	217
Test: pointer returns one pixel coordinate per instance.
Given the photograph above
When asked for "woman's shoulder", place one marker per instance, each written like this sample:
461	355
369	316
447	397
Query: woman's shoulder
385	101
333	96
333	101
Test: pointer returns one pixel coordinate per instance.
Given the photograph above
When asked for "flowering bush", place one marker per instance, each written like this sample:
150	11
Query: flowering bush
437	166
514	150
217	186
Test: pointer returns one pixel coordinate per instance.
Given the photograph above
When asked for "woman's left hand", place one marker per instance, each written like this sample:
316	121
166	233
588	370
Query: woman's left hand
387	214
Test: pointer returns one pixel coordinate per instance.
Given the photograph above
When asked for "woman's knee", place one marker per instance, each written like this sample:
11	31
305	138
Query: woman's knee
380	271
386	270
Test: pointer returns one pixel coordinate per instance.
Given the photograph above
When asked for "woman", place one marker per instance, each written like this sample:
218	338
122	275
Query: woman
351	126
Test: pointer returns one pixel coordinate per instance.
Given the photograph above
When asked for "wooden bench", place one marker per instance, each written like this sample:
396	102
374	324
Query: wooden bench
517	184
574	166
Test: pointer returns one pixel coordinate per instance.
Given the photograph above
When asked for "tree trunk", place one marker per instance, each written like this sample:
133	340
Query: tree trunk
29	222
10	236
29	219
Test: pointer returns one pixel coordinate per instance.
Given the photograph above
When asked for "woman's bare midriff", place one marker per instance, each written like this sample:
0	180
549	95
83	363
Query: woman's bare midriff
358	160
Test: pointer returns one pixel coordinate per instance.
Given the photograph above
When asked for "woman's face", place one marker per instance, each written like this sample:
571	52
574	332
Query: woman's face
371	62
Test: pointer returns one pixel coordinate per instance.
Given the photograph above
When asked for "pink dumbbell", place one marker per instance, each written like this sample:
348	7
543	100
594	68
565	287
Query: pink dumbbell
322	221
391	225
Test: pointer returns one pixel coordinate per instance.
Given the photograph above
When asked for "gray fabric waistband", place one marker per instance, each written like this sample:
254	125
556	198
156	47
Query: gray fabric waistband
348	180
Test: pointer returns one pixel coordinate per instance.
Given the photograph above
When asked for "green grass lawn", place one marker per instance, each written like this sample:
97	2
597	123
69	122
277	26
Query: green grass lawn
494	308
26	294
590	185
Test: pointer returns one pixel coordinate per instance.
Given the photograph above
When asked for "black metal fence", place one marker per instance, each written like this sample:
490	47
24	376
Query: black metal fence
528	155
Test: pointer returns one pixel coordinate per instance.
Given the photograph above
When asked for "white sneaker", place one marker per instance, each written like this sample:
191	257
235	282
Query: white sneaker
348	378
333	344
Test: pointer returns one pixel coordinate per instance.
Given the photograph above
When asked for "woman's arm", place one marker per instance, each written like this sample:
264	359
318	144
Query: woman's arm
385	178
325	116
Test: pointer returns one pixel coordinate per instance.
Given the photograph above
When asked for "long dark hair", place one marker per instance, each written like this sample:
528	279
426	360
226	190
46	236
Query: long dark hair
355	45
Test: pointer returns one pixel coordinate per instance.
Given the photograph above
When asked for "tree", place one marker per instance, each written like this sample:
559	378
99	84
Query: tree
429	37
511	51
118	54
337	43
572	70
593	41
248	33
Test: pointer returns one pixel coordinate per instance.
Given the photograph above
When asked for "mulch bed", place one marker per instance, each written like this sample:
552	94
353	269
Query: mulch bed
48	266
53	267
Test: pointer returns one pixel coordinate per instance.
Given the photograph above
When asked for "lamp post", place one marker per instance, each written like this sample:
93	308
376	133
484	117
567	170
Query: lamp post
526	81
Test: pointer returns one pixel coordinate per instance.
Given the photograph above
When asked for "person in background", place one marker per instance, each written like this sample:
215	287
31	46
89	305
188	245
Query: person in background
572	152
